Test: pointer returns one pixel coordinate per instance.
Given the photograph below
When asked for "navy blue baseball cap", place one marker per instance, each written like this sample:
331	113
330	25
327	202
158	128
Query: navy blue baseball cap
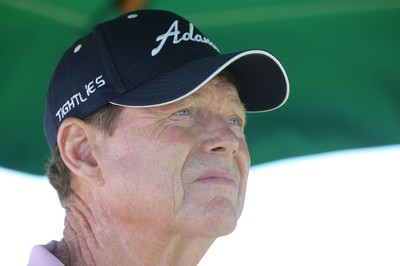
151	58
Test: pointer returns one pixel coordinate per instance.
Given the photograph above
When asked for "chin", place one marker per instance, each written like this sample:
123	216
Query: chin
218	218
221	217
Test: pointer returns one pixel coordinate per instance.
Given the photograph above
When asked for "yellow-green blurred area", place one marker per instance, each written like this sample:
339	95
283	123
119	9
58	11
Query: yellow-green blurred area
342	58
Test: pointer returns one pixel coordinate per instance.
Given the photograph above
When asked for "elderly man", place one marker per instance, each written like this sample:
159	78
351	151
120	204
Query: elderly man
145	118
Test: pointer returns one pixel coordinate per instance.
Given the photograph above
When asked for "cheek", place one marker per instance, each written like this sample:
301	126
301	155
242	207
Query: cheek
177	148
150	166
243	159
139	188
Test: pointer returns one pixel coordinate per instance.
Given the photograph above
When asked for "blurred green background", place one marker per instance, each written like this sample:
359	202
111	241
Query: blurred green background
342	58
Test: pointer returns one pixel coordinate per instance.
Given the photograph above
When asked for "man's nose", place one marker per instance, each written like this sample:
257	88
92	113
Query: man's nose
220	138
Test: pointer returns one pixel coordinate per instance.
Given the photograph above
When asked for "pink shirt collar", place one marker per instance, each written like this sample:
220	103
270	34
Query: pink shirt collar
41	255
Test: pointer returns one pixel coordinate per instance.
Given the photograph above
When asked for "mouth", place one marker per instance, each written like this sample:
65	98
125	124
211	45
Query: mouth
221	178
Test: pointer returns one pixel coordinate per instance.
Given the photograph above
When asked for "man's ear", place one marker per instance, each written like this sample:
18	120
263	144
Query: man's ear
75	142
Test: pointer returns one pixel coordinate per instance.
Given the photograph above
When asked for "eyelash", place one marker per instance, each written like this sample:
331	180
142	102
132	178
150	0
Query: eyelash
183	110
237	120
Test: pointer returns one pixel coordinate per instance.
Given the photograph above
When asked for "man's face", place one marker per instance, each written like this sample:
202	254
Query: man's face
181	167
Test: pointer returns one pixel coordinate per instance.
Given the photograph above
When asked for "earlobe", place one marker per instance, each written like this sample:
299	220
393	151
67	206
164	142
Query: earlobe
76	148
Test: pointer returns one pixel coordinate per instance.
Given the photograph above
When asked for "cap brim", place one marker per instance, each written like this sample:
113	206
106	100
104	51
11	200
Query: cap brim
262	80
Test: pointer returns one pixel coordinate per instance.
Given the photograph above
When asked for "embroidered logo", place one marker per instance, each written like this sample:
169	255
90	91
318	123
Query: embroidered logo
79	97
174	32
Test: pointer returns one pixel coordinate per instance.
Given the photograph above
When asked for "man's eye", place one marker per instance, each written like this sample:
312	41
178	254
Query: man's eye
234	120
183	112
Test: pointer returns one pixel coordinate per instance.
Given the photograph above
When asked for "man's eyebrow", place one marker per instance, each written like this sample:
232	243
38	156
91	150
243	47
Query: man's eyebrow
236	101
240	110
241	106
231	88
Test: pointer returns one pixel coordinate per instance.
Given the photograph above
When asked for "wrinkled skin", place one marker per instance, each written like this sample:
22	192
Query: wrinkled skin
166	183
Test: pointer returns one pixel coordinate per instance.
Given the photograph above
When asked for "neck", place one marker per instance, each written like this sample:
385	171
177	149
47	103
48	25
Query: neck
93	238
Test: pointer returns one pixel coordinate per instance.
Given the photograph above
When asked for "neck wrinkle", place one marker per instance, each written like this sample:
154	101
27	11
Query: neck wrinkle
93	237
